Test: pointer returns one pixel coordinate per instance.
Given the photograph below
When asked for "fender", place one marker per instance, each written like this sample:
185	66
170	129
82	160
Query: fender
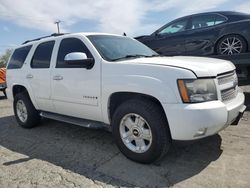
29	90
135	84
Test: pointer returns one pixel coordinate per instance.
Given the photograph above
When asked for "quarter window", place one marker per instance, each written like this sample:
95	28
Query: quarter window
175	27
18	58
207	21
67	46
219	19
42	55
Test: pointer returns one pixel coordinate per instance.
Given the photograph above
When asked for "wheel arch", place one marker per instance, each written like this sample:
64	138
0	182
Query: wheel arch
117	98
18	88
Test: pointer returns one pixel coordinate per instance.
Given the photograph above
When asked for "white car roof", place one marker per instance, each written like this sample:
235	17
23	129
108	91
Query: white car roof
40	40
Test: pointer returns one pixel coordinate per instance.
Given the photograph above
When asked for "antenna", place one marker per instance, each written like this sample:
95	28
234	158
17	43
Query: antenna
58	25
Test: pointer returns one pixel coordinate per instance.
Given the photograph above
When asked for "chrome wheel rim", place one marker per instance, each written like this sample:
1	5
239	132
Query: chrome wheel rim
231	45
21	111
135	133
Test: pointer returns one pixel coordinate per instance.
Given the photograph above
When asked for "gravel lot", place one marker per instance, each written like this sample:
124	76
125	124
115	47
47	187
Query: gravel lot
57	154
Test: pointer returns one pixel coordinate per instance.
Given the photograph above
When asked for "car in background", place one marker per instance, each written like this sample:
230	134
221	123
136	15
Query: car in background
222	33
3	80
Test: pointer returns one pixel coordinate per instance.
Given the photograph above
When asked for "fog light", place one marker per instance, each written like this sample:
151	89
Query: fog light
200	132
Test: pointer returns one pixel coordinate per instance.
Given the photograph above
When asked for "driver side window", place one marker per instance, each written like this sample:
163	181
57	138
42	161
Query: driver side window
67	46
175	27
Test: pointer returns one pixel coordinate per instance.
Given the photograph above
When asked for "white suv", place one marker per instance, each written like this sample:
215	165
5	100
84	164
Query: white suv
102	80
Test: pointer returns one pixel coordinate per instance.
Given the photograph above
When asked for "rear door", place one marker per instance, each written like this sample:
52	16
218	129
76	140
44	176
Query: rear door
202	34
39	73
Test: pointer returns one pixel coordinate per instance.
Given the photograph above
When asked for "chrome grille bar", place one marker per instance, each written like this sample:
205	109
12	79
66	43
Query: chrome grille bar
228	84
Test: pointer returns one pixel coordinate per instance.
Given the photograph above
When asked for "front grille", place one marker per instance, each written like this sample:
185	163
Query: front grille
227	78
228	94
228	84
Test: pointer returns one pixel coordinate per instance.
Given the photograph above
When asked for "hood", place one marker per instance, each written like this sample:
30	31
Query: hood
202	67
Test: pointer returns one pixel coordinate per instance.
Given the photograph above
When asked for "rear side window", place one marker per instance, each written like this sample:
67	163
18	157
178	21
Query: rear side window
67	46
219	19
42	56
18	57
209	20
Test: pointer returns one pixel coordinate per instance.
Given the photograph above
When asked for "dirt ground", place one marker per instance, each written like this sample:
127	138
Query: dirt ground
56	154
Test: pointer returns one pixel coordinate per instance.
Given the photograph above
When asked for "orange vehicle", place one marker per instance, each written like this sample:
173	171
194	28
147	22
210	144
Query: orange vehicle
3	80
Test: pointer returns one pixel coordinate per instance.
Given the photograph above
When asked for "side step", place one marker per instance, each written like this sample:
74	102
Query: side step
76	121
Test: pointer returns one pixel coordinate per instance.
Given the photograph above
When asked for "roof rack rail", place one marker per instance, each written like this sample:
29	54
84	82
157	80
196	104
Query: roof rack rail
52	35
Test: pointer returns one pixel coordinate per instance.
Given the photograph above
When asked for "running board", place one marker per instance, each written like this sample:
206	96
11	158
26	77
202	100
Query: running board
76	121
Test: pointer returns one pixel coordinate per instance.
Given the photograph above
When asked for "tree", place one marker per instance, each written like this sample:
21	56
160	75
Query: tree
5	57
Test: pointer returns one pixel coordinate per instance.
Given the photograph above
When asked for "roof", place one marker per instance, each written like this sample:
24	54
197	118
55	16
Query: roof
63	34
53	35
218	12
224	13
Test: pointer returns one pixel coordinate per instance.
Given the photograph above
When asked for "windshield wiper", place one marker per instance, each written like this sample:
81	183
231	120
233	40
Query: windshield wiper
130	56
154	55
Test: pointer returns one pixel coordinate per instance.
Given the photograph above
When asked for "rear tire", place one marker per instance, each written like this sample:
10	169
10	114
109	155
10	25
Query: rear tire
231	44
26	114
4	92
153	121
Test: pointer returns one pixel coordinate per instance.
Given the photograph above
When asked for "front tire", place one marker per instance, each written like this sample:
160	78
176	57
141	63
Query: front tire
141	131
26	114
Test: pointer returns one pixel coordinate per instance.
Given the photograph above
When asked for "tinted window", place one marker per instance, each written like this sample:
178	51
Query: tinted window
206	21
175	27
42	55
115	47
18	57
219	19
67	46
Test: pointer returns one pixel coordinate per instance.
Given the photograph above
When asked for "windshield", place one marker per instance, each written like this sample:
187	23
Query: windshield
113	48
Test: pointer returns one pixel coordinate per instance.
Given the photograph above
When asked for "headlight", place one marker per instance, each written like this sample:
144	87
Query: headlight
197	90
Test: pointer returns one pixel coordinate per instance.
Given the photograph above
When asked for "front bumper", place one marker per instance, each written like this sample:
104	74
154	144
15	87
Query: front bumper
194	121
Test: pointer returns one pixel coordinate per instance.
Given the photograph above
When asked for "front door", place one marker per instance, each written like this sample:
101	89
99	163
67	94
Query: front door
170	39
76	90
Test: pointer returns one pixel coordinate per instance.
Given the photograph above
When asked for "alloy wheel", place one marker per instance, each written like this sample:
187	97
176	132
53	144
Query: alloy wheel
135	133
21	110
231	45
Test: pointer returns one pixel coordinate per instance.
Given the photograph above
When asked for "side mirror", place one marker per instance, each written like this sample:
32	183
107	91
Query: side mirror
79	60
155	34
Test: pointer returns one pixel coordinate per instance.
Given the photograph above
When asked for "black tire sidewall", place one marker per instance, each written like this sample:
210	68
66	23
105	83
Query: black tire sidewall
32	114
4	92
158	126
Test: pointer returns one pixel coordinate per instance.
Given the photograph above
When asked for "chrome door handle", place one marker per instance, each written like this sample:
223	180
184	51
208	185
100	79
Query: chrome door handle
58	77
29	76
